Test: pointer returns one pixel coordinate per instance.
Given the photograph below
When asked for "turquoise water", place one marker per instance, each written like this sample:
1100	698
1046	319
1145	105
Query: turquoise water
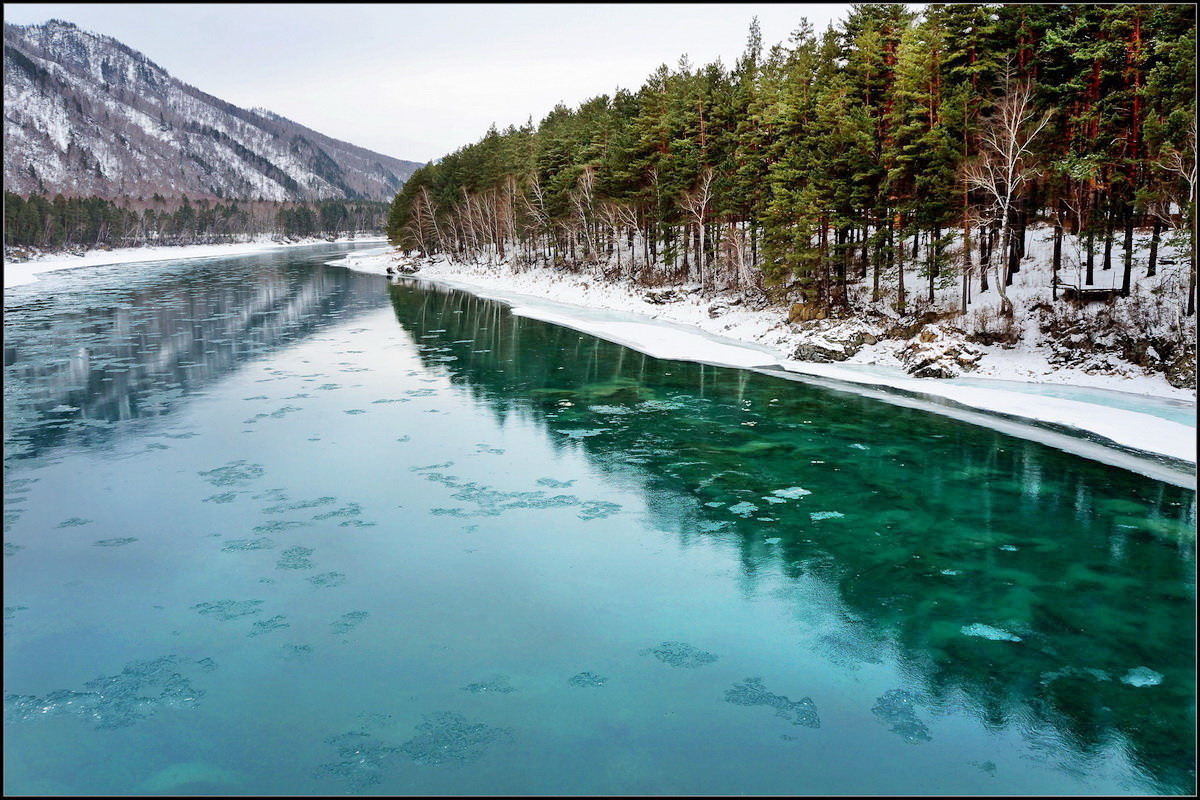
273	527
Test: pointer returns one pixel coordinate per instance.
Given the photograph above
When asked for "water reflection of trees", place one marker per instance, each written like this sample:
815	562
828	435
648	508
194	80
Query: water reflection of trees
946	524
80	360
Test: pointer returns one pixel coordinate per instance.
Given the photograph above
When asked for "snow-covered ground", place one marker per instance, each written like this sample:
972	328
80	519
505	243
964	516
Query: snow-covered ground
22	272
1140	412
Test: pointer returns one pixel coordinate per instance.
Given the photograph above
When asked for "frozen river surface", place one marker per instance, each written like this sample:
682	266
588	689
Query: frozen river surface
274	527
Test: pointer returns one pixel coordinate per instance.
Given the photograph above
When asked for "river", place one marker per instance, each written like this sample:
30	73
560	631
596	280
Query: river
275	527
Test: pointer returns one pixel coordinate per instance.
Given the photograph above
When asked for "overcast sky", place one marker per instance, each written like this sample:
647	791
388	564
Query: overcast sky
418	81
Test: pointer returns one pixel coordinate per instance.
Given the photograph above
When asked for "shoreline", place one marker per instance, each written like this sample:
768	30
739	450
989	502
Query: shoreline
1118	420
20	273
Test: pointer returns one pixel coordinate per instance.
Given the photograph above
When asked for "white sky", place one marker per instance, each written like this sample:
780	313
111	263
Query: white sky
417	81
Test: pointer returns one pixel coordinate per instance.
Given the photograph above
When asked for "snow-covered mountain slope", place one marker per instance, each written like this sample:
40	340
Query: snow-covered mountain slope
84	114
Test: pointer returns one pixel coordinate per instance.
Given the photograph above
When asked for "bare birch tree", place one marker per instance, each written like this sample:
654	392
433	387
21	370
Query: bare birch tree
1005	164
696	203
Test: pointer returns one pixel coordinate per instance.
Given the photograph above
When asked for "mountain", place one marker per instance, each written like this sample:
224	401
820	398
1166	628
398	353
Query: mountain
85	114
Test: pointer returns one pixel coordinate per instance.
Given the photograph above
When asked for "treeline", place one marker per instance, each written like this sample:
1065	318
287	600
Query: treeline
846	158
36	221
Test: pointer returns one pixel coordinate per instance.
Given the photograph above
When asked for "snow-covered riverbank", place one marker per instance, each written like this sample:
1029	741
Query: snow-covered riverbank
18	273
1142	413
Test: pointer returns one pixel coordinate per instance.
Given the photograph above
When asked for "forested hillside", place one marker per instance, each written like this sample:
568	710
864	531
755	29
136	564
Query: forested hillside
823	169
36	222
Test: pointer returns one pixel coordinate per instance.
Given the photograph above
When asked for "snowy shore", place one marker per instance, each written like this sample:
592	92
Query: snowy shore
1139	414
18	273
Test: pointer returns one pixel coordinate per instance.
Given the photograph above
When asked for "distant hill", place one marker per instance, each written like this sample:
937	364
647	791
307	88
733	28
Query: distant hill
87	115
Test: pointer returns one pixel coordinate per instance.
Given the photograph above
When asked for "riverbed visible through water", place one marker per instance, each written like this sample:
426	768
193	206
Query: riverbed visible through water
275	527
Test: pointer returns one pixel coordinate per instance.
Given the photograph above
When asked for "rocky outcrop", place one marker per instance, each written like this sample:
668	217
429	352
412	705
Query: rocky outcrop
826	340
939	352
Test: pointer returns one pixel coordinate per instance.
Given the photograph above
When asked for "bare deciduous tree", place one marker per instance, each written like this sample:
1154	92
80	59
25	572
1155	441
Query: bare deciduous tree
1005	164
695	203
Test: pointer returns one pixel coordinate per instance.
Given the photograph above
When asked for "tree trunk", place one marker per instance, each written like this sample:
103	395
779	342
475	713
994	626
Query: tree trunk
1016	242
1013	261
985	255
1152	268
933	259
1090	271
1056	263
1108	238
1128	265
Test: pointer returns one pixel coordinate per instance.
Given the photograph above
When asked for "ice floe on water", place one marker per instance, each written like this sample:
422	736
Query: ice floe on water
267	625
988	632
897	708
497	684
817	516
680	654
551	483
363	758
446	737
235	473
239	545
117	542
327	579
751	692
743	509
229	609
1142	676
348	621
585	680
791	492
140	690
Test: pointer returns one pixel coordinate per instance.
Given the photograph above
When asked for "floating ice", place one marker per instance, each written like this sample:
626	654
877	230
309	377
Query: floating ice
680	654
320	501
582	433
1142	676
897	708
348	621
447	738
988	632
234	473
238	545
139	691
858	446
297	652
587	679
276	526
773	540
817	516
554	484
752	693
743	509
328	579
267	625
497	684
229	609
362	758
598	509
791	493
